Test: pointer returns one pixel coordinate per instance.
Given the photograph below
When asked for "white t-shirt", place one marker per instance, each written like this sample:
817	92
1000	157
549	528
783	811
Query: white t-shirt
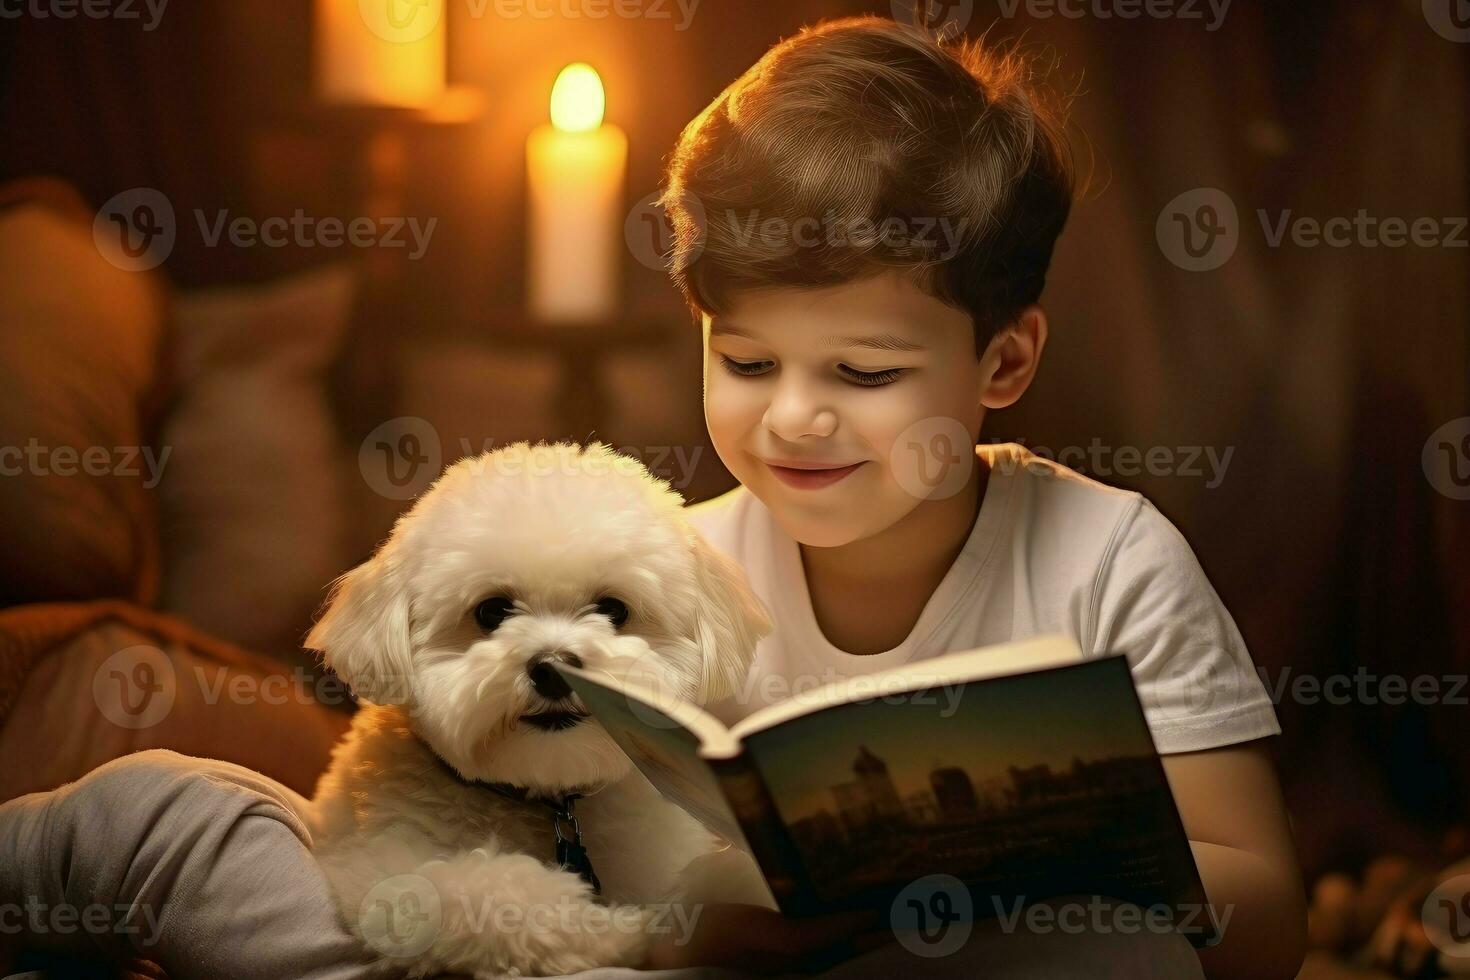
1051	551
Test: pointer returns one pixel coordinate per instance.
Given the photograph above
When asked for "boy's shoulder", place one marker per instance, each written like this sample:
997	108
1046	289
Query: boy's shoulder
1046	501
1058	513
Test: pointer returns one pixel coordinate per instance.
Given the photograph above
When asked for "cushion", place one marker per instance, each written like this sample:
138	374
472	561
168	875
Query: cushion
102	679
79	338
252	510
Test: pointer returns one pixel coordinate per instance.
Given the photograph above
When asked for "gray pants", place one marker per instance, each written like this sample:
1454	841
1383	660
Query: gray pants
205	867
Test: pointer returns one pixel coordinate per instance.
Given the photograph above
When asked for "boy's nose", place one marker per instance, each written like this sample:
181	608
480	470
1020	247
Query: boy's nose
793	415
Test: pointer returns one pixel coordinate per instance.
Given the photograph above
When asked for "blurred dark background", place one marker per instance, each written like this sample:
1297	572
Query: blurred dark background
1337	534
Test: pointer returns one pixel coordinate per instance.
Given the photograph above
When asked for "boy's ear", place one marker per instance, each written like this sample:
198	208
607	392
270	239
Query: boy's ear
365	632
729	620
1013	357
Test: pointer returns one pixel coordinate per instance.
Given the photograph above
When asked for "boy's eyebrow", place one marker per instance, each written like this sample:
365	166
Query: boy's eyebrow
882	341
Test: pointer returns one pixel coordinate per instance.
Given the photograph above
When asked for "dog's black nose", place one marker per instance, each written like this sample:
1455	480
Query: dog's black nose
544	678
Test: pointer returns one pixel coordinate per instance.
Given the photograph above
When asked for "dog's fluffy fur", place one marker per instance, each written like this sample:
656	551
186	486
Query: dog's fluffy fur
436	873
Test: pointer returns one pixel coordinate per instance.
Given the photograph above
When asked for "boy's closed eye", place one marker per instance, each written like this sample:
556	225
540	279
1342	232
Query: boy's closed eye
751	369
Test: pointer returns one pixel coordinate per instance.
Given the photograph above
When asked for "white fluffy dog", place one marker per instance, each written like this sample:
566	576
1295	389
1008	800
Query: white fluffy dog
435	821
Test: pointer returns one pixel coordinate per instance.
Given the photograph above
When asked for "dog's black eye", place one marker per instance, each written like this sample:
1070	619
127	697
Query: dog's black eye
492	612
613	609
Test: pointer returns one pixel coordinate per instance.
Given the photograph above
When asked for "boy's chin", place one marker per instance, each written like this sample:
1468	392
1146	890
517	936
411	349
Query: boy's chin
817	528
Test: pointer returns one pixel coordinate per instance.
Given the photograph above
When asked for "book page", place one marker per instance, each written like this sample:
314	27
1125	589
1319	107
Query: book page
961	666
657	734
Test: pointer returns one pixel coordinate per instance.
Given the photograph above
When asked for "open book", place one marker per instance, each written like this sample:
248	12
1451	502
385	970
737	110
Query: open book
1020	771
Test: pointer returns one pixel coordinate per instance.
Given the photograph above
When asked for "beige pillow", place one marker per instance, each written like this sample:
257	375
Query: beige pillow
79	340
252	500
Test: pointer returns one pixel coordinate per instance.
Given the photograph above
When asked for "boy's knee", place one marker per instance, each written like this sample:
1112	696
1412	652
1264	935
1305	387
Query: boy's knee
155	790
145	763
132	780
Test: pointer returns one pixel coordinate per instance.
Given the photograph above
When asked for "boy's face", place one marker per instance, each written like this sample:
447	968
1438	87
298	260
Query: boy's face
792	386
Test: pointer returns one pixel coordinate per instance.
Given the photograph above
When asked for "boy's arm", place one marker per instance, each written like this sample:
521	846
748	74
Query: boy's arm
1230	801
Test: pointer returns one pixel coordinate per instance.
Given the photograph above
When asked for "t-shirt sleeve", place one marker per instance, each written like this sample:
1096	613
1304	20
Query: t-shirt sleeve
1194	676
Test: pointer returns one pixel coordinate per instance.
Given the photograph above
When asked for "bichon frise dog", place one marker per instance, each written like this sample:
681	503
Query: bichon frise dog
475	819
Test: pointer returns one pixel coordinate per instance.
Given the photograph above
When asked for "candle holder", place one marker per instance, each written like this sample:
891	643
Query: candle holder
580	350
369	145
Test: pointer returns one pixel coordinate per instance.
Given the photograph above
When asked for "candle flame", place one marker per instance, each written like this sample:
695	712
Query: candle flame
577	99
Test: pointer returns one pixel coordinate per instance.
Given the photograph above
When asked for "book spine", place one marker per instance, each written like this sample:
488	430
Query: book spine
765	833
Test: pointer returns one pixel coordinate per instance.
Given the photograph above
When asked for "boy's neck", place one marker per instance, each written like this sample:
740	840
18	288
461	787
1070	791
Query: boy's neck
912	555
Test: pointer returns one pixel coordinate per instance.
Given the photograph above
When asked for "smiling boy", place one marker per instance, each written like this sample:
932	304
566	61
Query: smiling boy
850	358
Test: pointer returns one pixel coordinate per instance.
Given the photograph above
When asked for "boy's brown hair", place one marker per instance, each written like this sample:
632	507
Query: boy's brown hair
862	144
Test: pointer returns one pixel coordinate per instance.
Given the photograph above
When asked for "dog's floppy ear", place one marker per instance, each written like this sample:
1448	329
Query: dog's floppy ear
364	634
729	620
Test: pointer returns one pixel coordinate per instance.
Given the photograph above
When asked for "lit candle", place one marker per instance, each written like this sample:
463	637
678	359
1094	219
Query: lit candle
380	52
575	169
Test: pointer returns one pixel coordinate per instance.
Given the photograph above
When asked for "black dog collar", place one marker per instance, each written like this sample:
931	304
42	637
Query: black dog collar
567	849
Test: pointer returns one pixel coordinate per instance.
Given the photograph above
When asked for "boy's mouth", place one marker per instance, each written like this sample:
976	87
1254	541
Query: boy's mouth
810	477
